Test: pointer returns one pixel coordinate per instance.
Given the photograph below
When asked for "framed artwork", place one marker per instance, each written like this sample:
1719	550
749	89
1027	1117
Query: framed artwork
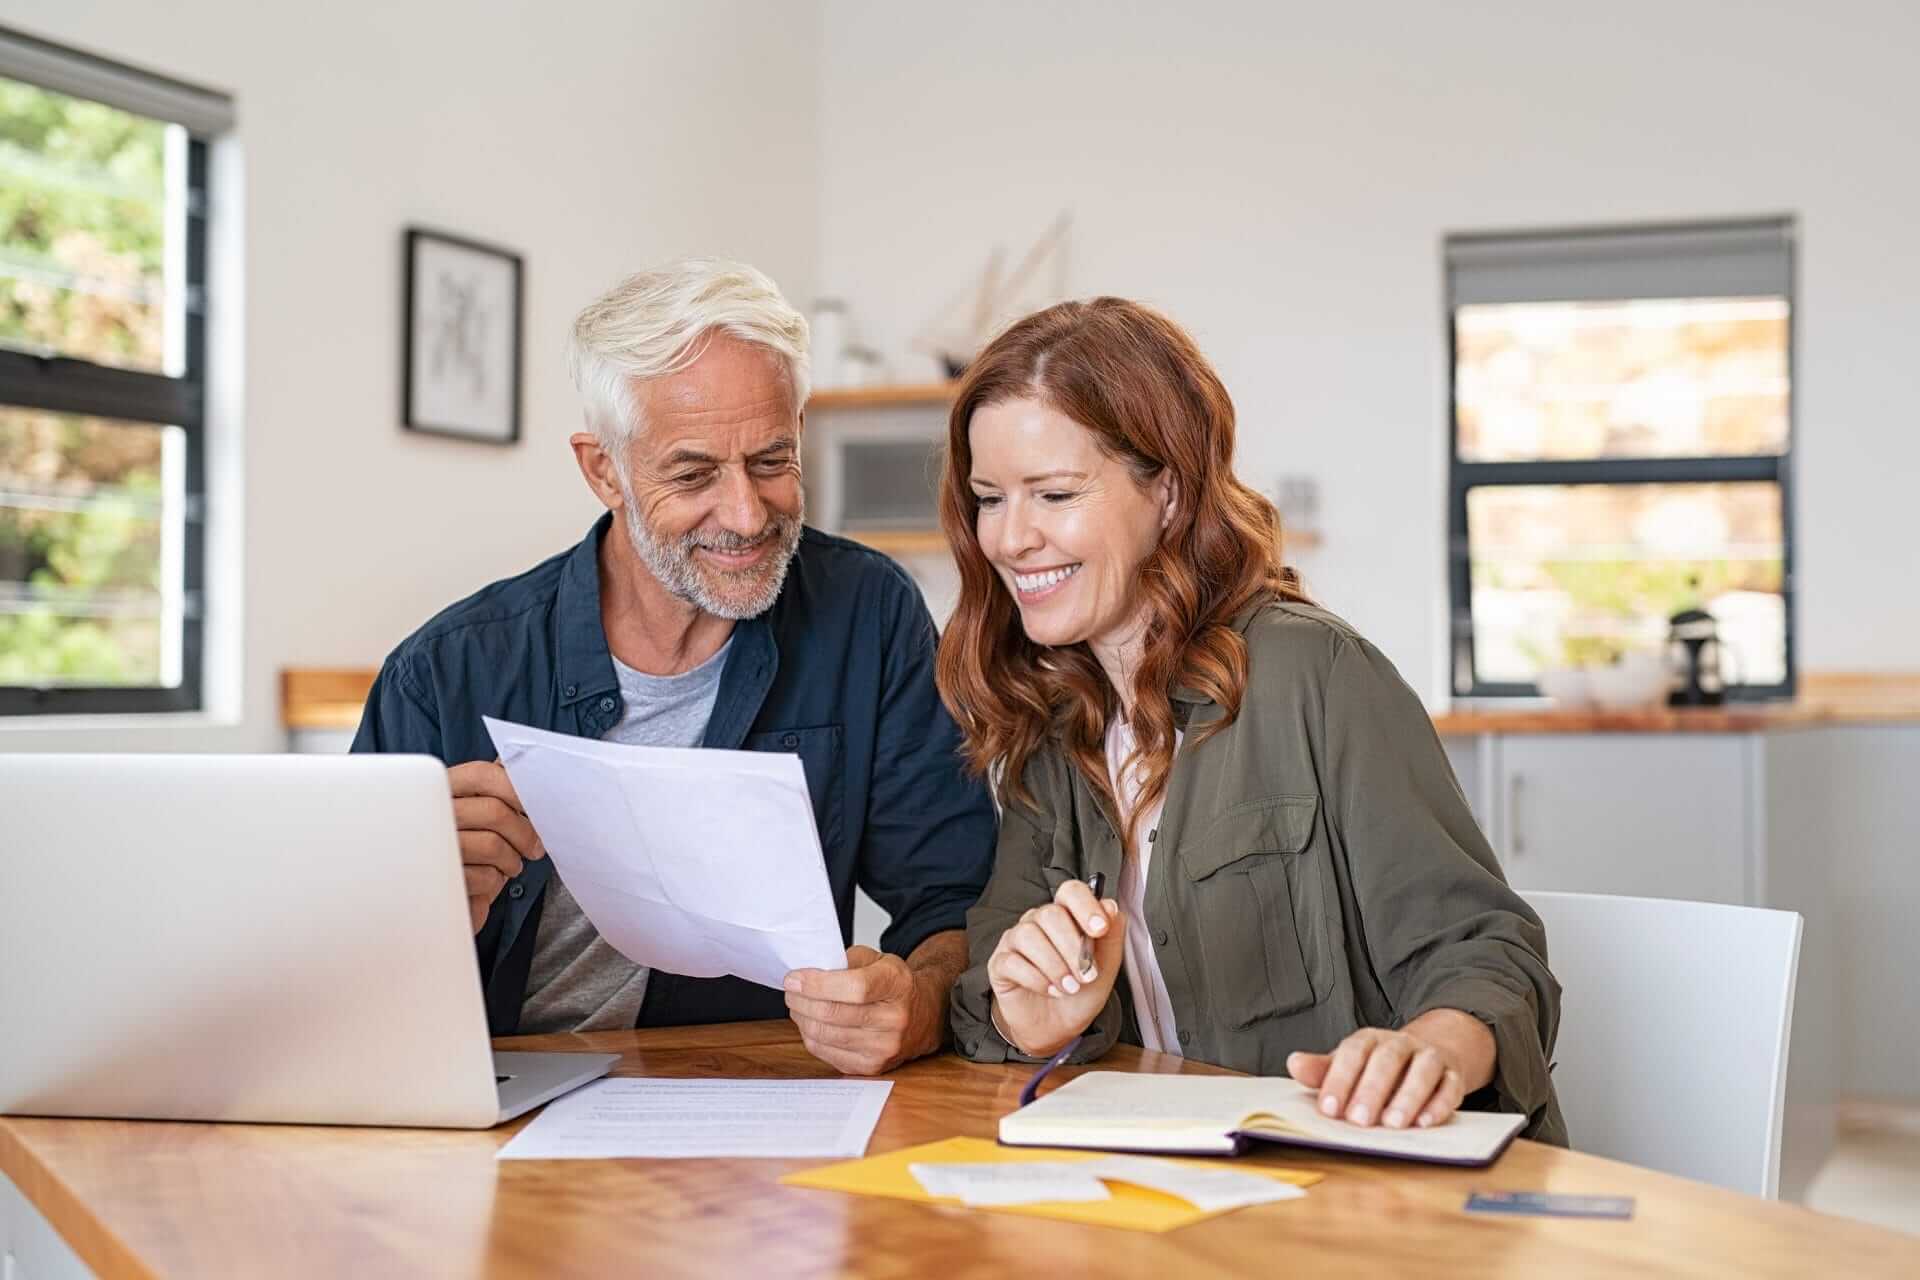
462	347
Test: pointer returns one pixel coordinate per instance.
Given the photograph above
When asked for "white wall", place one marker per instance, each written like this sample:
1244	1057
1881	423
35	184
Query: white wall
1278	176
593	137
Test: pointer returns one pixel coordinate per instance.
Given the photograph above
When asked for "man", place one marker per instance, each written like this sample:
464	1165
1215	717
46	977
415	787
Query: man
700	612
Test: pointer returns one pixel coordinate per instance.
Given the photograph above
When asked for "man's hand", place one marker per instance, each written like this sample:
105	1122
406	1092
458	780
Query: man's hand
496	840
876	1013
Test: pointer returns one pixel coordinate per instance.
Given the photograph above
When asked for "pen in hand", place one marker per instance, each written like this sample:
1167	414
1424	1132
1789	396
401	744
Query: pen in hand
1097	882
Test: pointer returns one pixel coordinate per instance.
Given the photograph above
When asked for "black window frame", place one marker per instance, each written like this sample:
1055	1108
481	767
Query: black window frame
69	385
1463	476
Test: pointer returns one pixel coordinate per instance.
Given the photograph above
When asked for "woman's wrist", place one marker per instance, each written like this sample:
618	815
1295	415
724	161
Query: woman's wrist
1031	1049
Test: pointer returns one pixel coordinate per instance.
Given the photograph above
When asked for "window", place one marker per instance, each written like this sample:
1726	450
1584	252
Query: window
1622	429
103	365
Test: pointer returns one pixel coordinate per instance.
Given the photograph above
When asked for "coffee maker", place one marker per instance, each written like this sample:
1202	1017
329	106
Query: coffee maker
1697	659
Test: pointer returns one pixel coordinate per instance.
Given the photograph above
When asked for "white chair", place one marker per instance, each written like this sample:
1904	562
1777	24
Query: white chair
1673	1032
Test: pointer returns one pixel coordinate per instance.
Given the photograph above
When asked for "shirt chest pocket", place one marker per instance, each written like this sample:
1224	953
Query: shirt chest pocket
1242	871
819	749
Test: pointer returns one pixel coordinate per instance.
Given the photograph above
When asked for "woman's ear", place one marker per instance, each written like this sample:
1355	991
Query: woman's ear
1169	499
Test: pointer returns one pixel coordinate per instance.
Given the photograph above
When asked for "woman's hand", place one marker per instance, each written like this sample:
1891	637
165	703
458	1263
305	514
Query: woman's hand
1418	1075
1042	997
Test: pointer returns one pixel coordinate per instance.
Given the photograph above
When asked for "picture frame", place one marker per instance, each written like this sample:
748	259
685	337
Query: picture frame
461	338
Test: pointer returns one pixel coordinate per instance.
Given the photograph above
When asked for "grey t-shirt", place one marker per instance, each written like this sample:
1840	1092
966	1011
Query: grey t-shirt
578	982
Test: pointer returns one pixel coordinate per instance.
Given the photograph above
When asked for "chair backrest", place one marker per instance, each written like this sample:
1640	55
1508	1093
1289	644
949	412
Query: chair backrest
1673	1032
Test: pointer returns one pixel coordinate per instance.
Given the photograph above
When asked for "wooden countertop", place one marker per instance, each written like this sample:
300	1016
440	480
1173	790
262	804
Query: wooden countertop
1825	698
331	698
146	1198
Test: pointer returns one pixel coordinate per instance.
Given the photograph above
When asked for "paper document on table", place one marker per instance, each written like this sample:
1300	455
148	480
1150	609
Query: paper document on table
1134	1201
696	862
671	1119
984	1184
1214	1190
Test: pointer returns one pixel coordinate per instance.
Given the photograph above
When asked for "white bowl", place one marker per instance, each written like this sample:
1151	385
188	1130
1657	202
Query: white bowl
1637	680
1566	686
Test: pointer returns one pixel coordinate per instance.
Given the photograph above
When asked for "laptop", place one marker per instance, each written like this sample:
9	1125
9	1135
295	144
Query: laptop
247	938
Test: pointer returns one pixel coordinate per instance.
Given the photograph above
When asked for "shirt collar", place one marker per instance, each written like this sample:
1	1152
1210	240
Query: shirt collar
585	667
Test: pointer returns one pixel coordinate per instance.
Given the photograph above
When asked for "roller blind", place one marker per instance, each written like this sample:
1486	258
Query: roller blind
1745	259
204	112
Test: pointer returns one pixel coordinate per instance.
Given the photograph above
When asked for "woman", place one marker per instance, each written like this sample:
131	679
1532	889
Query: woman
1299	884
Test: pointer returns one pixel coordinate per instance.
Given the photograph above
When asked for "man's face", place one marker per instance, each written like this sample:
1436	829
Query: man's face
711	484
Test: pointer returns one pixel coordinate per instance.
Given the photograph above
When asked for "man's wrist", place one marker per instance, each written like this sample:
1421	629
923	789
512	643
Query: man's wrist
929	1010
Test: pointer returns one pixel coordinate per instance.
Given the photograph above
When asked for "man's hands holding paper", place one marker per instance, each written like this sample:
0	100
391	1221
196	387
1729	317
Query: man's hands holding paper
879	1011
496	838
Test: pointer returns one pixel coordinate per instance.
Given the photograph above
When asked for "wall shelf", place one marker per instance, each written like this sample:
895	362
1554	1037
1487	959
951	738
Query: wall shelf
883	397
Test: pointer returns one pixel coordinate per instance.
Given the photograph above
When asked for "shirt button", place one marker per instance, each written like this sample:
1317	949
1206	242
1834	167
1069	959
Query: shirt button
516	891
606	704
1160	937
1186	1036
570	689
790	741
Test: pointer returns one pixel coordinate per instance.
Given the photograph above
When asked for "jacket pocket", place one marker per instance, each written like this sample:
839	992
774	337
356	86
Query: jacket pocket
820	751
1241	868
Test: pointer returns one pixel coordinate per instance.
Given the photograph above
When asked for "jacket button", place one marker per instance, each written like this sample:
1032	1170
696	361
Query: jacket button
1160	937
1186	1036
516	891
570	689
790	741
1153	835
606	704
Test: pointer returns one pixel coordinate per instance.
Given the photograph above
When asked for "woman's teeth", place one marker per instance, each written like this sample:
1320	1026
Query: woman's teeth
1041	581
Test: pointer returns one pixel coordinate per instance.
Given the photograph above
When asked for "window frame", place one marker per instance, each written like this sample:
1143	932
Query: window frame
1464	476
70	385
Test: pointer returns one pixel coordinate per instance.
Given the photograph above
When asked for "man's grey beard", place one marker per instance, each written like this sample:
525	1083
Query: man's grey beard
673	564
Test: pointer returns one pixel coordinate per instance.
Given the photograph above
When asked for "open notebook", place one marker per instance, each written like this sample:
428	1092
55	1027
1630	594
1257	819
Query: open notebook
1218	1115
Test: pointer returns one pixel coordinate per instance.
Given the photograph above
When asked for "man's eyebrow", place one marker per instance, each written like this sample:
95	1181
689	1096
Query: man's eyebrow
684	457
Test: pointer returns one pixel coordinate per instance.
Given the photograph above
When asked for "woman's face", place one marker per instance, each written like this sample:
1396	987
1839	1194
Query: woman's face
1066	526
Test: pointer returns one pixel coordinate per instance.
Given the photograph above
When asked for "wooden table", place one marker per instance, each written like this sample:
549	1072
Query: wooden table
148	1198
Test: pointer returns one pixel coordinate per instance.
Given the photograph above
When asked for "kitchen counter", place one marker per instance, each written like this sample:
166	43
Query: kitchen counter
331	700
1826	698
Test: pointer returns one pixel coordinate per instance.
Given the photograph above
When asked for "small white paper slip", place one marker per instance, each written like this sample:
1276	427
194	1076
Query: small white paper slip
629	1118
697	862
1038	1182
1210	1189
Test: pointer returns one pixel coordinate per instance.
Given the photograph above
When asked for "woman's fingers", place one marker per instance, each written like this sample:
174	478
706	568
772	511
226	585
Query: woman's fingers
1031	940
1343	1073
1078	900
1073	945
1309	1068
1423	1076
1385	1065
1012	971
1446	1101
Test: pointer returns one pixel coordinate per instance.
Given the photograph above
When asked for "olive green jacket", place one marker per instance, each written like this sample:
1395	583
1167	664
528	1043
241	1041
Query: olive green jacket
1316	871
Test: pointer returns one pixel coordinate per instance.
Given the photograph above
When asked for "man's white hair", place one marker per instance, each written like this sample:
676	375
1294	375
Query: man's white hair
659	322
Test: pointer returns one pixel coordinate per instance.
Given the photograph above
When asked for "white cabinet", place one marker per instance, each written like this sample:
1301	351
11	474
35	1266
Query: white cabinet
1645	814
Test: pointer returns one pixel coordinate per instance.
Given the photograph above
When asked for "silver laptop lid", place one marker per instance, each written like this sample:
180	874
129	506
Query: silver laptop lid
262	938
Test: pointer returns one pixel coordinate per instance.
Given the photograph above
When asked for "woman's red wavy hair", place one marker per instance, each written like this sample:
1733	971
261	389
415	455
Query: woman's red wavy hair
1139	384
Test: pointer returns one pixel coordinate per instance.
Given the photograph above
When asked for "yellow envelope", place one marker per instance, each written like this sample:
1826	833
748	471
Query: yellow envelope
1134	1208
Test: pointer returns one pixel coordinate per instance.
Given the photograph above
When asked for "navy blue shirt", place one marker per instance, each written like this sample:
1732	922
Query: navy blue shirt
839	671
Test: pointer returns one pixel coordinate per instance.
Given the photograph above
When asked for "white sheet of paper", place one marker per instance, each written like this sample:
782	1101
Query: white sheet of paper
1035	1182
1209	1189
676	1119
696	862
